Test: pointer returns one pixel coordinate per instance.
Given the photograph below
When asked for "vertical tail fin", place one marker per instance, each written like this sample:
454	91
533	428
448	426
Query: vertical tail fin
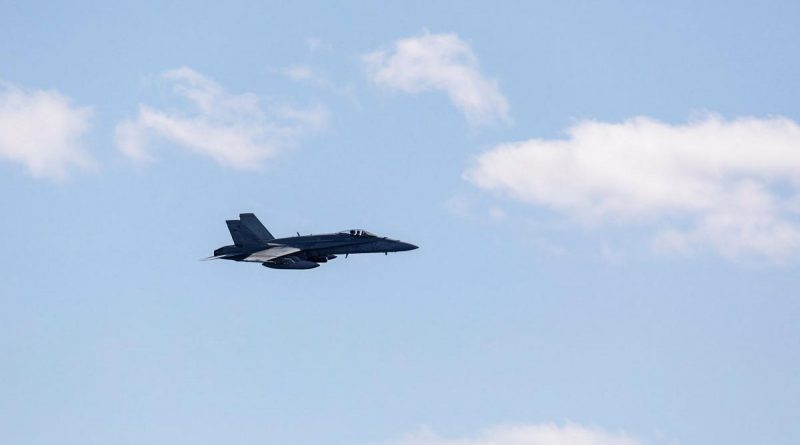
241	235
254	225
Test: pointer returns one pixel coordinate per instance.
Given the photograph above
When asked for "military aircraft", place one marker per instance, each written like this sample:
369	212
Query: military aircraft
253	243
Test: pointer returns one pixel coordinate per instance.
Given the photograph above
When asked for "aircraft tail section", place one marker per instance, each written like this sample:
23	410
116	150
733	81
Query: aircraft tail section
241	235
248	231
254	225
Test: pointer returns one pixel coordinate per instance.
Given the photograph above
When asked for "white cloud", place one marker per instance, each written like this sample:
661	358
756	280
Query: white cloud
42	130
731	185
439	62
538	434
233	129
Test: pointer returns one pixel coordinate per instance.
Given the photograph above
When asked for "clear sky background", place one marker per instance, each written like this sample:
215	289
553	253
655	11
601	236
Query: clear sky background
624	273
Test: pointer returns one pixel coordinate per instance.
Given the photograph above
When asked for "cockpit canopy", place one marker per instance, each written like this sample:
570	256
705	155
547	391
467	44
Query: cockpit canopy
357	232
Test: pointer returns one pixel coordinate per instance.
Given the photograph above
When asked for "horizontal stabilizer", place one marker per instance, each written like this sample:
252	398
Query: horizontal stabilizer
218	257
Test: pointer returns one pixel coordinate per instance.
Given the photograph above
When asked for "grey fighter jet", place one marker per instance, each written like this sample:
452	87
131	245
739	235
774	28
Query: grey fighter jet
253	243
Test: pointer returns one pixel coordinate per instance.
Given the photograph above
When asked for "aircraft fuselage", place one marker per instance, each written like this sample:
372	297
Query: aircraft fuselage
255	244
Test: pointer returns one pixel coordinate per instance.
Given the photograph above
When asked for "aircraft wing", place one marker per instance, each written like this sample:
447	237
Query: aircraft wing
271	253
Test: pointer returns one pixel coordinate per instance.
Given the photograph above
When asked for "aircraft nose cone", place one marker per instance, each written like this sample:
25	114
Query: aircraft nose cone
407	246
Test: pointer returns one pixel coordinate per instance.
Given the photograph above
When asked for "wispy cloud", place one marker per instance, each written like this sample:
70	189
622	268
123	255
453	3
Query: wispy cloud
301	73
315	44
442	62
728	185
233	129
537	434
42	130
310	76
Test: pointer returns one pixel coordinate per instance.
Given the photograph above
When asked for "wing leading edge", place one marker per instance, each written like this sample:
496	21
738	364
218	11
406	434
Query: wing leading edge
270	253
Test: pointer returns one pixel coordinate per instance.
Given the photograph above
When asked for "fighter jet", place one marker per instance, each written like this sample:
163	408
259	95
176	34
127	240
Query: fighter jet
253	243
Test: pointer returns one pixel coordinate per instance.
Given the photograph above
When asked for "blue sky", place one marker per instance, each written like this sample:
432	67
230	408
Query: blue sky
605	195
